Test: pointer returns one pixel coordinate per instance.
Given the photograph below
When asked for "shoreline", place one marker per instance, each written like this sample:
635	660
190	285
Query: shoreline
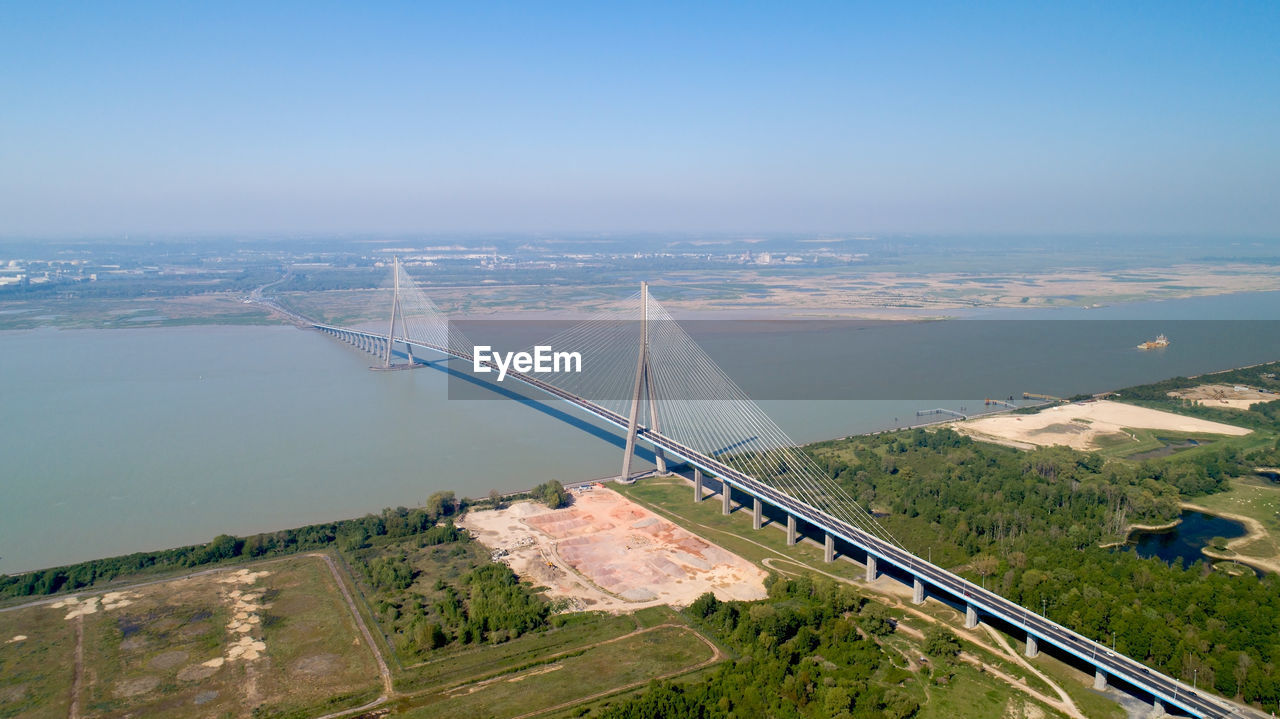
1129	529
1253	531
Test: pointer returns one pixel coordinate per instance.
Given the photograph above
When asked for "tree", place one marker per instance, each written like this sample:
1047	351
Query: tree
552	493
940	642
441	504
704	606
495	497
223	546
875	621
429	635
985	565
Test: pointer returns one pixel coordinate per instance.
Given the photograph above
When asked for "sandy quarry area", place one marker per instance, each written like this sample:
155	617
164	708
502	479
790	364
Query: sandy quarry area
1081	425
606	552
1224	395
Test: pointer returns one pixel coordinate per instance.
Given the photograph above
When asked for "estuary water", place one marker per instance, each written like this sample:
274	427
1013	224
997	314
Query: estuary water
122	440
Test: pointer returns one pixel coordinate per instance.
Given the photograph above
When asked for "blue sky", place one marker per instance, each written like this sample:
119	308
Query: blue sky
313	118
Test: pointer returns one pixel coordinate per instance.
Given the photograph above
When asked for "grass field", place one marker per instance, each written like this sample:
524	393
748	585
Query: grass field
973	695
279	641
633	660
1251	497
34	679
451	667
1150	440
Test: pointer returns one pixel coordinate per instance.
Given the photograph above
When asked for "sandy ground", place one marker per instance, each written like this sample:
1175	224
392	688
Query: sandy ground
1080	425
1224	395
606	552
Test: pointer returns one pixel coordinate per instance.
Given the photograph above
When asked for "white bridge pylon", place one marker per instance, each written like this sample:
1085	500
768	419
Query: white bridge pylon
413	321
678	391
396	310
641	390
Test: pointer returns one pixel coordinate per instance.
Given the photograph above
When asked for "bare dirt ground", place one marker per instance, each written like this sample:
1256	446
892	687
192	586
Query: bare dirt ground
1080	426
606	552
1224	395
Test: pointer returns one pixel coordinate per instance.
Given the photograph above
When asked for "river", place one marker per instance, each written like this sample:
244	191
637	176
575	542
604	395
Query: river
122	440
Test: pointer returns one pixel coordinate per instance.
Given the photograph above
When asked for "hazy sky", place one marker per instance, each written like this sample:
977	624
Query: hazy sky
1151	117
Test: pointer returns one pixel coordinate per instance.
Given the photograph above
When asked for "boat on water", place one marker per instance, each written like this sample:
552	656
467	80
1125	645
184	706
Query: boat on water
1157	343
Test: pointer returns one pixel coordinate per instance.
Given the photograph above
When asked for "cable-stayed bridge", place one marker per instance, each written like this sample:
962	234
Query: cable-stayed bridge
641	373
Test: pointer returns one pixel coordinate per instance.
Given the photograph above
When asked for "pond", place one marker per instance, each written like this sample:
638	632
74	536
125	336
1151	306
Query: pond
1184	542
1170	446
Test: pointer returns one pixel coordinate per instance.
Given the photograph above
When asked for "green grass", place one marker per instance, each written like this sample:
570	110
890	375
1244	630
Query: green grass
126	648
1251	497
955	620
450	667
633	660
971	694
1153	439
310	623
1091	703
36	673
138	658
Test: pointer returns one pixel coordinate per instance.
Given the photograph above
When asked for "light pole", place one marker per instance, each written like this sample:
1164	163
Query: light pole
1043	607
1113	640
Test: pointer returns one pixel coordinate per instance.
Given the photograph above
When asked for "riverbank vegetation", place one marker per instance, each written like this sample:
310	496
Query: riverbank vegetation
347	533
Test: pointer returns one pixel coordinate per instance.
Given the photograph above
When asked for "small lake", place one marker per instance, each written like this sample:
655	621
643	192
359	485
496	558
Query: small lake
1170	446
1184	542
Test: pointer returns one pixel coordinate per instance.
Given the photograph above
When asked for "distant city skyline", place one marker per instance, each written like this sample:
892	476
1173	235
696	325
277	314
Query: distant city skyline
1123	118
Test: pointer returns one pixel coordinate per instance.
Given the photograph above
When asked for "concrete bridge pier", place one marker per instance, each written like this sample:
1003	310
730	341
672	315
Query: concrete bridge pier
1100	681
872	569
970	617
791	530
830	549
757	514
917	591
1033	647
1157	710
726	501
697	484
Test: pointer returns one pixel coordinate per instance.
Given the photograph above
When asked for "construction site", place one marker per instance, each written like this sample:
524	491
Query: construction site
606	552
